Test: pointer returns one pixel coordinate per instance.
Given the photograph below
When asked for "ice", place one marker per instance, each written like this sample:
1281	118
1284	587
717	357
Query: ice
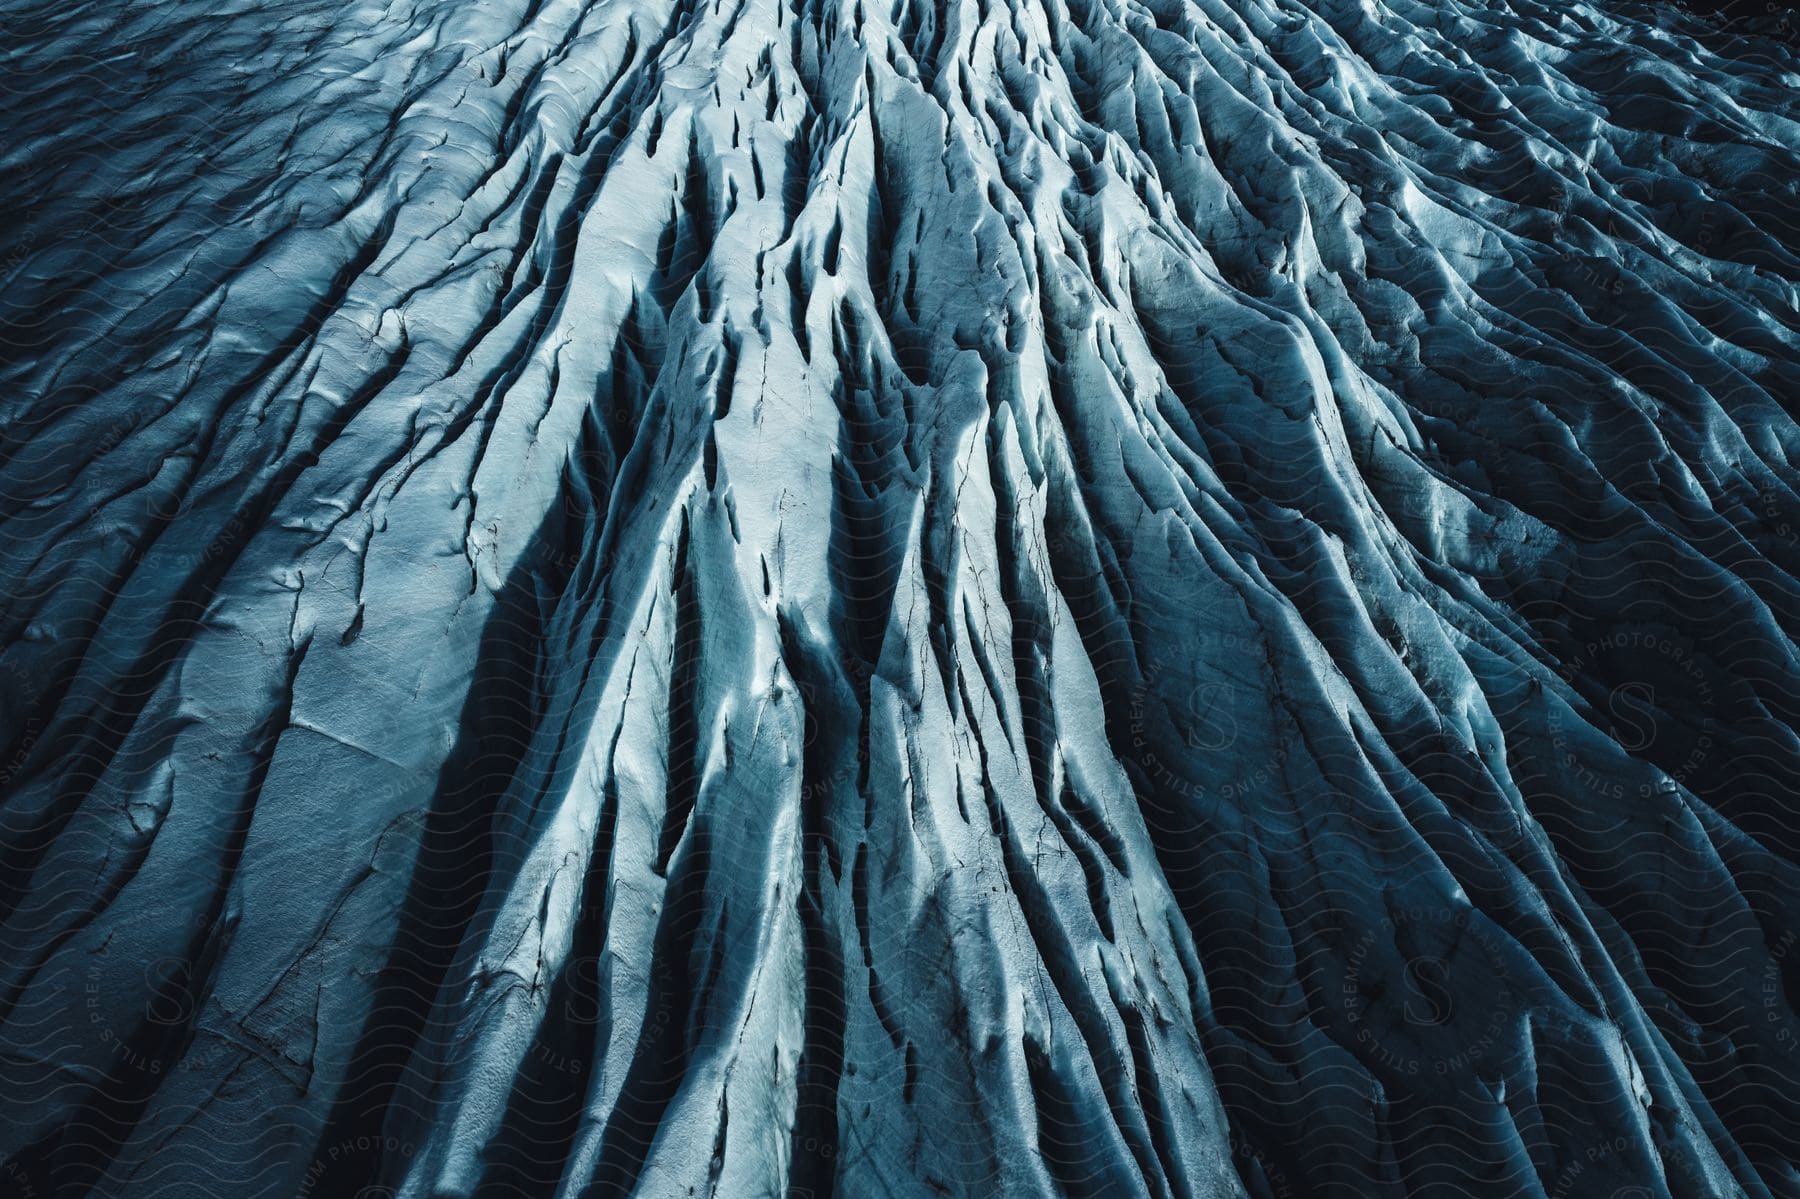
1170	597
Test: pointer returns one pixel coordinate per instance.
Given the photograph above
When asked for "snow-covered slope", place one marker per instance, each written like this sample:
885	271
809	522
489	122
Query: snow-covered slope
1173	597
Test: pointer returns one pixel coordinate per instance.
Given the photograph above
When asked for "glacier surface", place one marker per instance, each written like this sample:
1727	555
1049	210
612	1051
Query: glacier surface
883	597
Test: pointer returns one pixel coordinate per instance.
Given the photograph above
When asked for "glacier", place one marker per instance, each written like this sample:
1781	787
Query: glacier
898	597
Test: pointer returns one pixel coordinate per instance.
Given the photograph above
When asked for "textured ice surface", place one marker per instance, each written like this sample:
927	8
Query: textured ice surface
1173	597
